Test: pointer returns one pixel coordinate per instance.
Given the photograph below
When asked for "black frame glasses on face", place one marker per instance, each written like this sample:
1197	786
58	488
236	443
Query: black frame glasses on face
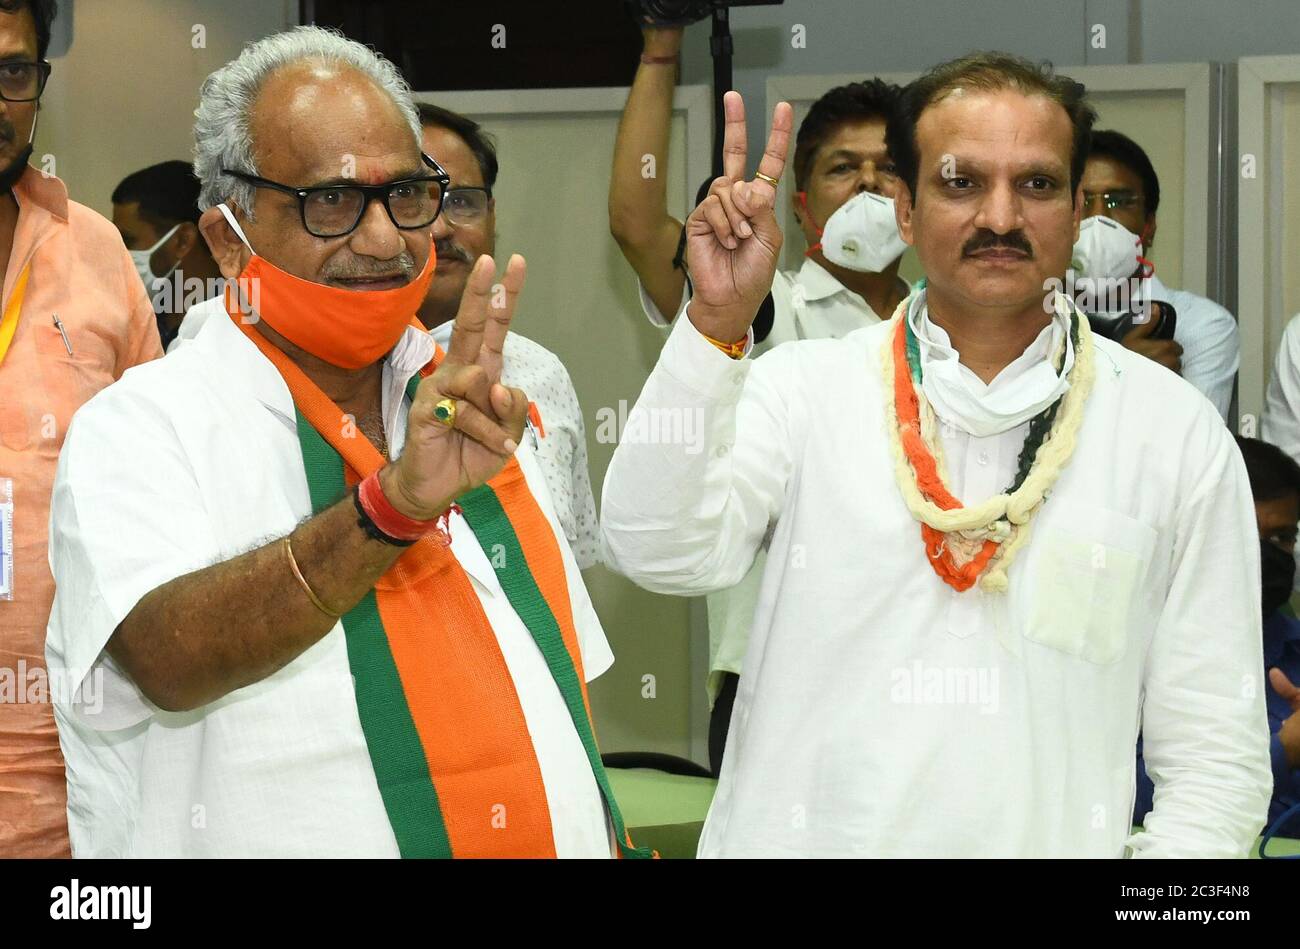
18	72
381	192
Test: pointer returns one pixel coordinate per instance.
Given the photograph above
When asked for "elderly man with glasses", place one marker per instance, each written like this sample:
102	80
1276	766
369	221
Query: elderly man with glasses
74	317
308	555
464	230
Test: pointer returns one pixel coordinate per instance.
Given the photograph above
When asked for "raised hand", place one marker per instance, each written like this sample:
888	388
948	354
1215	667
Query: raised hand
732	238
440	462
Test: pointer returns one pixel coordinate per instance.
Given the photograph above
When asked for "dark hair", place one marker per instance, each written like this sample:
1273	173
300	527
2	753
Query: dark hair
1116	145
470	132
168	193
1272	472
855	102
43	12
988	71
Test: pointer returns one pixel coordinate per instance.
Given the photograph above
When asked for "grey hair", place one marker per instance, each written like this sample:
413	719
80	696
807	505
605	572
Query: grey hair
221	122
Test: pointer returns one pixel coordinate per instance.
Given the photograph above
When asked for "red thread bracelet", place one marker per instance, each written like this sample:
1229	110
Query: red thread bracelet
392	521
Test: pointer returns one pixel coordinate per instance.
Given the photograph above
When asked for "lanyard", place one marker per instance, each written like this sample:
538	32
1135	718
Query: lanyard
9	322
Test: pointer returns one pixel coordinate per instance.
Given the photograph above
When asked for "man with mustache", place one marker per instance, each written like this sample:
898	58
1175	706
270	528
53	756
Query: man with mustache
307	555
1000	545
73	318
464	231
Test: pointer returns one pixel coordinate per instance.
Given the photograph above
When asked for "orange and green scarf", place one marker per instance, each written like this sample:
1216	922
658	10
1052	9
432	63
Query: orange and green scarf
451	750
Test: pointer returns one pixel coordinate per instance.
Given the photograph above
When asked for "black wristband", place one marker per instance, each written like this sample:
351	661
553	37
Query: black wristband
369	526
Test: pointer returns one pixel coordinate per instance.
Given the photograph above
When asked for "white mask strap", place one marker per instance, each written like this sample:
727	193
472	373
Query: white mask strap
239	231
162	240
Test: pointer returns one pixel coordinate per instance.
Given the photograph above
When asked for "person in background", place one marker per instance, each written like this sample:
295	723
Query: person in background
1120	183
840	156
75	317
1281	422
156	210
1275	486
463	232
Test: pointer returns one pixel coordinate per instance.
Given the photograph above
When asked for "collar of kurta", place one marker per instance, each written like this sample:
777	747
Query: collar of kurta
47	192
818	283
936	344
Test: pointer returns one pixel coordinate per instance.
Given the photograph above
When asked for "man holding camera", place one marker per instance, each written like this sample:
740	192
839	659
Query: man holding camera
1120	186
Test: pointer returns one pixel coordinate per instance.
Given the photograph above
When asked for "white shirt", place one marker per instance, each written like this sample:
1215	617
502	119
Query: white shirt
808	303
1281	422
193	460
881	713
1208	334
561	447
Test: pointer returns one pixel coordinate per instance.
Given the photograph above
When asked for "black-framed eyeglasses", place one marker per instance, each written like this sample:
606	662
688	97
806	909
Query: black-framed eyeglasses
1111	200
465	206
335	210
23	81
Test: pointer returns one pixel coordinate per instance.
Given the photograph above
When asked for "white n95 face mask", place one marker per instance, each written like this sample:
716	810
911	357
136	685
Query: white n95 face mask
142	266
862	234
1106	250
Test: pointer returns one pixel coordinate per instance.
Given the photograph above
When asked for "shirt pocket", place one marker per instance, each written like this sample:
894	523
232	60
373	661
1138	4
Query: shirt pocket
1086	580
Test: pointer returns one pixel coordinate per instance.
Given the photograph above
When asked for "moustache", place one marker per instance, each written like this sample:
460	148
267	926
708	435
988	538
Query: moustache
447	250
1013	240
356	269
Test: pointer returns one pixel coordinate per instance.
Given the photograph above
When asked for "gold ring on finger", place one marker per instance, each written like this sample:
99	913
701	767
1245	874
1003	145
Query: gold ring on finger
445	412
768	178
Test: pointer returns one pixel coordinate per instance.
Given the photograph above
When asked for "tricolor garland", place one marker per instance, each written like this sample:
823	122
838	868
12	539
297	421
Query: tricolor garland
966	544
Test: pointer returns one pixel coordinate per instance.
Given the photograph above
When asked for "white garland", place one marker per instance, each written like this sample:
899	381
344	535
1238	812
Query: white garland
1003	517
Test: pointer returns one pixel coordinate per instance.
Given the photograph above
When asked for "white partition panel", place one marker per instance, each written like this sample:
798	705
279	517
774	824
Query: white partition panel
1268	263
555	148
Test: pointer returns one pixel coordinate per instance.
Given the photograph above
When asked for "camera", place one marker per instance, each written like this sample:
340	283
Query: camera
684	12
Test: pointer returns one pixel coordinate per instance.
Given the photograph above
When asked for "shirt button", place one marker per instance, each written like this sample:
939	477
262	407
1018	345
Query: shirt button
983	458
721	451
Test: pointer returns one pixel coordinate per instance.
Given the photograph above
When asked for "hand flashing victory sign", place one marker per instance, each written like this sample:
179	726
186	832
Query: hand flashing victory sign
732	238
464	425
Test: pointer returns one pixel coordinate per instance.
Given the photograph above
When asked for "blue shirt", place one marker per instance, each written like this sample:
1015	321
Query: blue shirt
1281	650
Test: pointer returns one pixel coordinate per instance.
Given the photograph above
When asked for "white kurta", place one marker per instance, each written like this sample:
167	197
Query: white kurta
1208	334
881	713
808	303
192	460
1281	423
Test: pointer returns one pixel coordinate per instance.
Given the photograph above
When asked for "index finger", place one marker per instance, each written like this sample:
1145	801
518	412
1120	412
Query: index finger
778	142
734	147
471	317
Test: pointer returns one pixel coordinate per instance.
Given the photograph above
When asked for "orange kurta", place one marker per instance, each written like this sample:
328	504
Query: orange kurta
80	270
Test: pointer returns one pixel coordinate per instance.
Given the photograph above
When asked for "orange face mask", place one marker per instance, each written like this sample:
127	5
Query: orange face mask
347	328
